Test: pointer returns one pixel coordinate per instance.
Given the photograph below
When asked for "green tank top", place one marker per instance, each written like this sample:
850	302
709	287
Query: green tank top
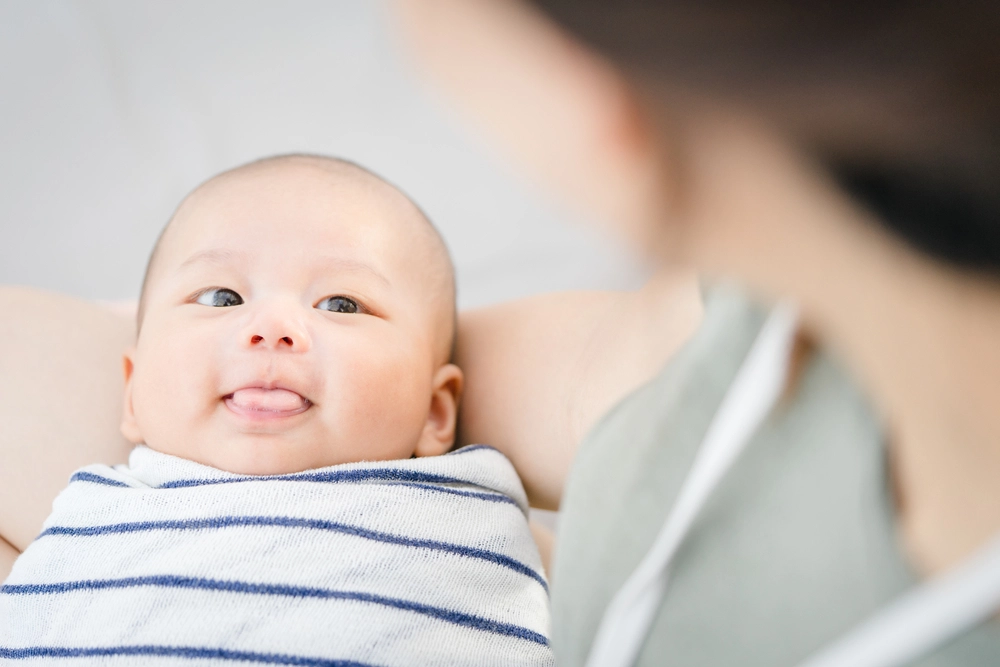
796	545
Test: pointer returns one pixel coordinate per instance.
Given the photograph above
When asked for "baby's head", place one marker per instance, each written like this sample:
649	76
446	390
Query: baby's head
297	312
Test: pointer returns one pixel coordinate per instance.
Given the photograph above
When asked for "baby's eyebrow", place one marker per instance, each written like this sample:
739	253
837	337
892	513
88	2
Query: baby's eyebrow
225	257
349	265
215	256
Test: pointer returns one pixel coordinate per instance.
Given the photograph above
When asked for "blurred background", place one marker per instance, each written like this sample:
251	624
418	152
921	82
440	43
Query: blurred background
112	110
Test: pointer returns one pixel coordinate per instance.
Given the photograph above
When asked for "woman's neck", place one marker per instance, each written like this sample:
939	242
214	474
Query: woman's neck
945	429
924	340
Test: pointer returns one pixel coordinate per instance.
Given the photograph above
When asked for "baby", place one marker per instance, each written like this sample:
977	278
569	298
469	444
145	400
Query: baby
292	498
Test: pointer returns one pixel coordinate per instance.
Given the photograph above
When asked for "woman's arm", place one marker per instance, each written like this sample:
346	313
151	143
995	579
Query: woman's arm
60	402
541	371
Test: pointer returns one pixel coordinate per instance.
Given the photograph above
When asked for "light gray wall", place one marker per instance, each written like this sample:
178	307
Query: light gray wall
111	110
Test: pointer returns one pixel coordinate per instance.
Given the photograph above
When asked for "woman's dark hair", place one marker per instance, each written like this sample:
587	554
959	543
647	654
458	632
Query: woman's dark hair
901	100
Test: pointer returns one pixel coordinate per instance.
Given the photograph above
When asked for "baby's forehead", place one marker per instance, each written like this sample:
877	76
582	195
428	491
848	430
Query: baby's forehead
303	180
307	198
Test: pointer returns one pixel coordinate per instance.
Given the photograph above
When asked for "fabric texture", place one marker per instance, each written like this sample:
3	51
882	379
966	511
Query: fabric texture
796	544
425	561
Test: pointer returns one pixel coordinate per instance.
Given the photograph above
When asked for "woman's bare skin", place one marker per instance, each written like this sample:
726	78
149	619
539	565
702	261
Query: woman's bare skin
60	402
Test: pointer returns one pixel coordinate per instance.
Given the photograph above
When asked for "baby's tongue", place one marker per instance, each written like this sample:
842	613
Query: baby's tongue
271	400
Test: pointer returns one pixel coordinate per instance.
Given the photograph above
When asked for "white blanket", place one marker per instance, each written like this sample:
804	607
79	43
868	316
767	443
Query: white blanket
417	562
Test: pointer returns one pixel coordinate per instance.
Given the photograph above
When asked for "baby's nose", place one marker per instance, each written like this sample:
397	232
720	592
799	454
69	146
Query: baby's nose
276	329
286	340
296	341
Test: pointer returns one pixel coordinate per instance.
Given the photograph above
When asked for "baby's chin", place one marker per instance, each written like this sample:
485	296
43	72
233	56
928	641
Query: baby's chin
267	455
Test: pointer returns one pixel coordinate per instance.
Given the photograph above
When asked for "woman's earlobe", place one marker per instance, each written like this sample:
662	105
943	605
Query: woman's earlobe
439	432
129	426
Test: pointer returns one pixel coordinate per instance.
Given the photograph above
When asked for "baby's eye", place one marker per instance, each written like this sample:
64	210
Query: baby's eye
219	297
339	304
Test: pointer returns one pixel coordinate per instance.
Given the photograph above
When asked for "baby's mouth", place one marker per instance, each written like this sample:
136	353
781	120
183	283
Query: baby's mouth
260	403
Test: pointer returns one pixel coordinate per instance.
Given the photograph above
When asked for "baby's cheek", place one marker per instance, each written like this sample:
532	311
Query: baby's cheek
389	399
173	368
385	390
172	384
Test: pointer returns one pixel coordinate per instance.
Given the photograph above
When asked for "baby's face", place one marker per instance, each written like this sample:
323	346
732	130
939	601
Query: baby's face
294	318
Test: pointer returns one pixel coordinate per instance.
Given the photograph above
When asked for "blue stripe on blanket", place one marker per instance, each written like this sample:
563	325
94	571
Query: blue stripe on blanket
189	652
491	497
172	581
471	448
292	522
84	476
357	475
402	477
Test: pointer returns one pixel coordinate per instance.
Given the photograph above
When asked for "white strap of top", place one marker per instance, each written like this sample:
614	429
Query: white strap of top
922	618
747	402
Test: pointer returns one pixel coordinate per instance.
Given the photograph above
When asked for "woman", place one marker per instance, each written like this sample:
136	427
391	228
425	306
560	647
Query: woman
843	158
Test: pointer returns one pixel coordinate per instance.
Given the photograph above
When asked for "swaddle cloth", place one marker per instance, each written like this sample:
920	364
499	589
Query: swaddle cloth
425	561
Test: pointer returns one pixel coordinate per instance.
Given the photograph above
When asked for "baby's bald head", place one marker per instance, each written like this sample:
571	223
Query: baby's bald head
424	245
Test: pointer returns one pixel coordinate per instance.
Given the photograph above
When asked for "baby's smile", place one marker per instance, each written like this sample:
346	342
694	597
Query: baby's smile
266	403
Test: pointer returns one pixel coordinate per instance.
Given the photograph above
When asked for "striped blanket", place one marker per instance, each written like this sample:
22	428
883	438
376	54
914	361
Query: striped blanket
168	562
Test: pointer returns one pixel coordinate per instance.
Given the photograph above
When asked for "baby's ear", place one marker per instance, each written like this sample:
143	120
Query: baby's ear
130	428
439	431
